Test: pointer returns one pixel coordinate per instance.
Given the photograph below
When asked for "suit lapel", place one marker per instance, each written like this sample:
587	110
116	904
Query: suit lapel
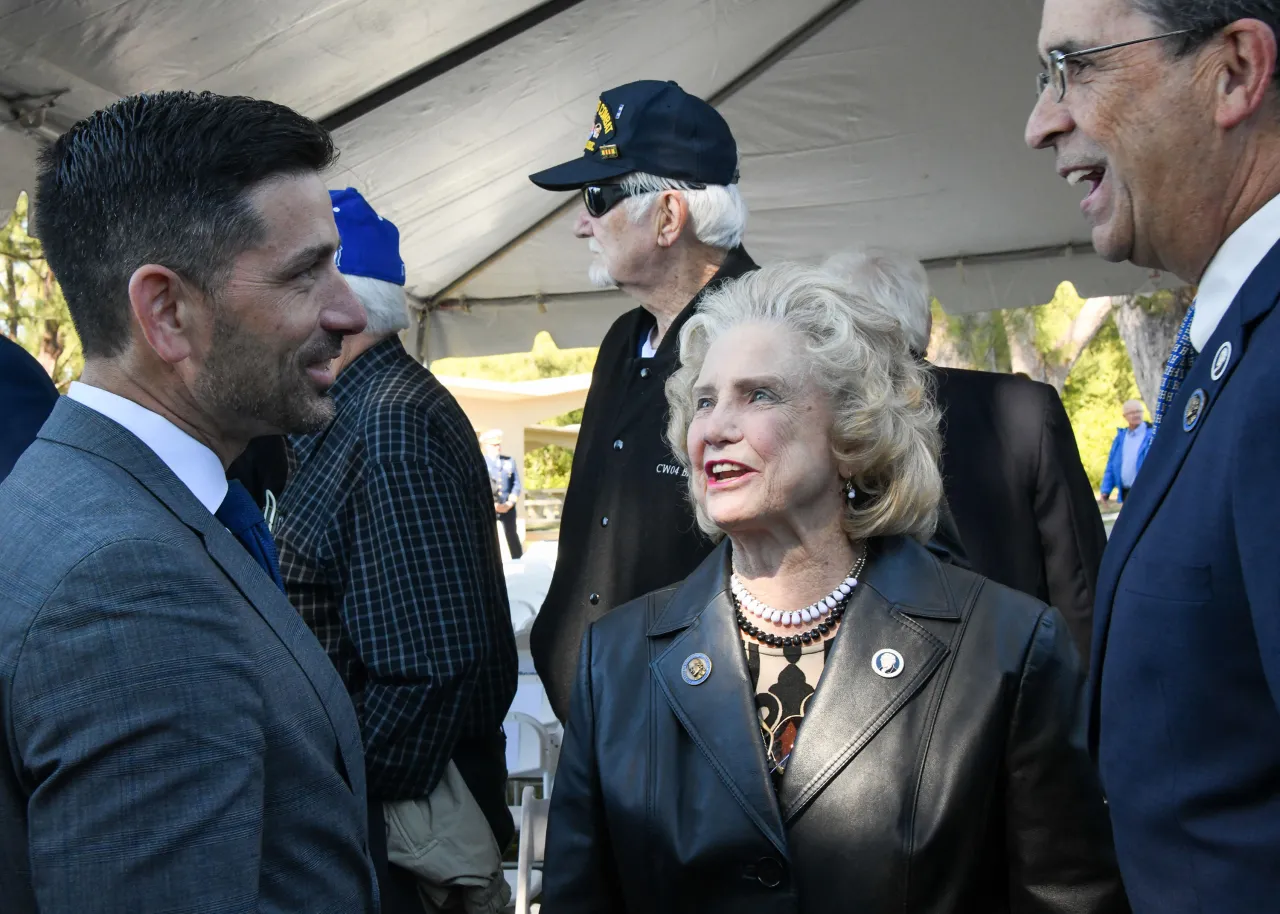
719	713
75	425
274	608
853	702
1171	445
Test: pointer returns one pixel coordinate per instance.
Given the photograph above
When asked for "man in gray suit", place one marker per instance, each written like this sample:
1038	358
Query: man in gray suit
175	738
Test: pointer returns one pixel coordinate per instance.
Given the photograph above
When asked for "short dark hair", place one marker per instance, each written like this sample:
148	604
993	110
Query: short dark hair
161	178
1205	17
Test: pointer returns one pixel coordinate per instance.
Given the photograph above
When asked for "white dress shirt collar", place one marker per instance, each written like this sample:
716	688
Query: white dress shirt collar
1236	259
195	465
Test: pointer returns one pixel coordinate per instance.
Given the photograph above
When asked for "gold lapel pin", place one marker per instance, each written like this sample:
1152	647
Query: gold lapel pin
696	669
1195	408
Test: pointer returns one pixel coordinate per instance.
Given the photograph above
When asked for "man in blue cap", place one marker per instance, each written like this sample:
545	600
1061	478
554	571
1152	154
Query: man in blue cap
662	213
389	551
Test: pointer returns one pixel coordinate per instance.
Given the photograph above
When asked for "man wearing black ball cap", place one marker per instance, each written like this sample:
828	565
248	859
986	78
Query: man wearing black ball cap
662	214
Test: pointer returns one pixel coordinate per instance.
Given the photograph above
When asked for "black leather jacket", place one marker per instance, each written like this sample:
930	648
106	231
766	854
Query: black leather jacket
960	785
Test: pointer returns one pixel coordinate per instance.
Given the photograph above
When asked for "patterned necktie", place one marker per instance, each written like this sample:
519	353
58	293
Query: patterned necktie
239	513
1180	361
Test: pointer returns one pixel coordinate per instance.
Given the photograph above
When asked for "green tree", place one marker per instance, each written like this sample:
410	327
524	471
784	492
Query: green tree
1071	342
1101	380
33	312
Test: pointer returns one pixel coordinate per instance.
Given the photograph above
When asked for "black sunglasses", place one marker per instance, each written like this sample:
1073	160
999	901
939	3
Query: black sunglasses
600	198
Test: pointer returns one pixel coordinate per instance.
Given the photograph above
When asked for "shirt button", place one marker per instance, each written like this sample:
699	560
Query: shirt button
644	372
617	445
594	598
604	522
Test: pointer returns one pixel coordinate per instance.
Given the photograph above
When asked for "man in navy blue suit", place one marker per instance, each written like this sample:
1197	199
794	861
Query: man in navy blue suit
28	397
1168	114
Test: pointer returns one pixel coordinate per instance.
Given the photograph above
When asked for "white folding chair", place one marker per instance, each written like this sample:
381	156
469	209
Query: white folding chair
548	736
533	839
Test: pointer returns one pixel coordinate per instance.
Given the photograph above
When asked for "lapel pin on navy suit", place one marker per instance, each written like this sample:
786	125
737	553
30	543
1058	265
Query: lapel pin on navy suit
1196	404
1195	407
1221	360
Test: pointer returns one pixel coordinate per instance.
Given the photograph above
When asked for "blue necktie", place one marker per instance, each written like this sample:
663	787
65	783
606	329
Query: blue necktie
239	513
1180	361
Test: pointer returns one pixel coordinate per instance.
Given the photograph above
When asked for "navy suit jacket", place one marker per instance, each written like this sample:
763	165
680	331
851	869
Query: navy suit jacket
1186	648
27	396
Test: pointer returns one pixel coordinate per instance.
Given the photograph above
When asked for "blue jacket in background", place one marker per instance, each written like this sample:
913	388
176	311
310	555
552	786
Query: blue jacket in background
1111	478
28	396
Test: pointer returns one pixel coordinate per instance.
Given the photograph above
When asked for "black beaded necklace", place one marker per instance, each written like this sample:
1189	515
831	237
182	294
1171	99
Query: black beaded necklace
820	631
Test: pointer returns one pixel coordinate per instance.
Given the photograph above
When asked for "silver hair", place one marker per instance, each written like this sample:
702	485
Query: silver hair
717	212
384	303
885	429
894	279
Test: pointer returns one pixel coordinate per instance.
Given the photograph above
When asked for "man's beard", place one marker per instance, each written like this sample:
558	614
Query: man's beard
245	383
599	276
598	272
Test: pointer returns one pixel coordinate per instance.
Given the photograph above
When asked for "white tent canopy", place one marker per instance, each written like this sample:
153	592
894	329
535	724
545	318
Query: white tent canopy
896	122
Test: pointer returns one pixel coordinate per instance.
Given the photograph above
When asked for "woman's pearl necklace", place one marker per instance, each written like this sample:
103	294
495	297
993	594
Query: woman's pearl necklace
815	612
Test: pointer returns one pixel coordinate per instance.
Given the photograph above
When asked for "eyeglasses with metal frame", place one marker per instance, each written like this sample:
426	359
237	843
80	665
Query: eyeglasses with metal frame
1057	72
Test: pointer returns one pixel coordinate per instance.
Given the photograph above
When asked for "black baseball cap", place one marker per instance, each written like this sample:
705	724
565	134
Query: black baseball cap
654	127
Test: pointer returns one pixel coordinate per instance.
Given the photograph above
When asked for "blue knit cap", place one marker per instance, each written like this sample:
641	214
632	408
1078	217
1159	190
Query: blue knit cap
369	244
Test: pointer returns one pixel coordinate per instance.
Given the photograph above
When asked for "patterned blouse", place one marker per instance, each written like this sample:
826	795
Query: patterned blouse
784	680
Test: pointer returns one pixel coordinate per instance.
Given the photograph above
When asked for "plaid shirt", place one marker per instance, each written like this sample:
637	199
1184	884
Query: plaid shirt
389	550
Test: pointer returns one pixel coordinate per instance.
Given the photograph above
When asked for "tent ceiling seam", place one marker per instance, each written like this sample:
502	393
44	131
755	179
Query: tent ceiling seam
451	60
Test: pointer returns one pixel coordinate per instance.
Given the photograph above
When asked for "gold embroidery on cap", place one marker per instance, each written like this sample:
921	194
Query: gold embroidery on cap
606	121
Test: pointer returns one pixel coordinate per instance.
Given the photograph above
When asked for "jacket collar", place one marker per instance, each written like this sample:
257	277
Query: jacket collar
77	426
1170	446
353	379
352	384
902	580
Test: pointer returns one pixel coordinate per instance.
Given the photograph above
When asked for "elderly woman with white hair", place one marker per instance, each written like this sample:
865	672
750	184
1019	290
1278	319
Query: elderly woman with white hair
823	716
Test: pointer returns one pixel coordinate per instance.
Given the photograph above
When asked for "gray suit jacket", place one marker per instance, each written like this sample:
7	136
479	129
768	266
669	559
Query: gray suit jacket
176	738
